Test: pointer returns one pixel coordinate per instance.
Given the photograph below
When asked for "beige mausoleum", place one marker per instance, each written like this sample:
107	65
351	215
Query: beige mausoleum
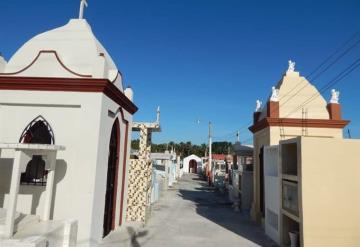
289	113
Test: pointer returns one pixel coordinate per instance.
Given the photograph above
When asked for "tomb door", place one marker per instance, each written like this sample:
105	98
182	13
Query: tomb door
111	183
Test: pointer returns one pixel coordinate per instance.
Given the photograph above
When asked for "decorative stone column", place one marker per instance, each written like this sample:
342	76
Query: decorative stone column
140	174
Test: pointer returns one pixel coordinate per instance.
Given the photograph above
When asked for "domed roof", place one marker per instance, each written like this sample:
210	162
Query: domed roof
70	51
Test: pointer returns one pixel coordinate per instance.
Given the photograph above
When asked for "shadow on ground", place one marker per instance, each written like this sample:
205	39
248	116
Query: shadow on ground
216	207
199	178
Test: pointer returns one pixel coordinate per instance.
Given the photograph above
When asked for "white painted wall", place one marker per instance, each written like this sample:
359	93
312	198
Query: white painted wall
272	192
81	123
2	64
247	189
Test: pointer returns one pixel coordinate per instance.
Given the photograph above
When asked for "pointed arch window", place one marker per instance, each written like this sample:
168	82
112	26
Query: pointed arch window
37	131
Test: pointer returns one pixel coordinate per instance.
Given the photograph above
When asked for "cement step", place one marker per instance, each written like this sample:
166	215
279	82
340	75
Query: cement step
21	220
25	221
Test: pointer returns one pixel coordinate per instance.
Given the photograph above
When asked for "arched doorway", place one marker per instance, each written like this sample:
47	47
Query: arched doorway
192	166
111	182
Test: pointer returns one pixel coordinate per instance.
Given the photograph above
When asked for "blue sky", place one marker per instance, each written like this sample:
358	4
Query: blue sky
204	59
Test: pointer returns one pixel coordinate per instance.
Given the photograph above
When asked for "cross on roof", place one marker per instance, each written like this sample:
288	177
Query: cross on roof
83	4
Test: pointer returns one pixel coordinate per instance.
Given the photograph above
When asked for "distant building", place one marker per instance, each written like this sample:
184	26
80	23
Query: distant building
192	164
240	177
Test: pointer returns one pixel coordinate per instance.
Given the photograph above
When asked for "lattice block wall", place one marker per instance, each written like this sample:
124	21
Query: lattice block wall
140	179
139	188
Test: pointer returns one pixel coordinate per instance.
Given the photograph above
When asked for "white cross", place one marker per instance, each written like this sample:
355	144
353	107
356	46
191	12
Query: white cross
83	4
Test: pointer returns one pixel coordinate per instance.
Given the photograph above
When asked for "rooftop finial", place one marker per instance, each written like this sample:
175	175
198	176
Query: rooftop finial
158	115
334	96
258	106
83	4
274	95
291	67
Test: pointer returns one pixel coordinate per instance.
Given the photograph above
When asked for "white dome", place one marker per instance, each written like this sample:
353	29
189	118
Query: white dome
70	51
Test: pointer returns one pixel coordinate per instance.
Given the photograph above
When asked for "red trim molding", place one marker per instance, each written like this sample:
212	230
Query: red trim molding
68	85
124	172
298	122
57	58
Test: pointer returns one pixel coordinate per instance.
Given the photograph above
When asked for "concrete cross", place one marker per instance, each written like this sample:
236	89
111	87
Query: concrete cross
83	4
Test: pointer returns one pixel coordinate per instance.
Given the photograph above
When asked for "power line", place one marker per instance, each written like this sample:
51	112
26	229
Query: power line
328	59
337	59
321	72
226	135
247	140
328	85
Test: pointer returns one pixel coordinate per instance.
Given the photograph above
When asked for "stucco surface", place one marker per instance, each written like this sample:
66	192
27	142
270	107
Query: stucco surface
330	187
294	90
68	51
81	123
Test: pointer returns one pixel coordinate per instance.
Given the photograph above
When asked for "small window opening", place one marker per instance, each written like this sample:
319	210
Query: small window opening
37	132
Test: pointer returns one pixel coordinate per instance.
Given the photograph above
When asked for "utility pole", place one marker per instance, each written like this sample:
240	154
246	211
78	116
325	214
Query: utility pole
238	136
210	153
349	134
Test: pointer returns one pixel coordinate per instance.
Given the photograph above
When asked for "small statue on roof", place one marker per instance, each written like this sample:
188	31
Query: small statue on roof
291	67
258	106
275	95
334	96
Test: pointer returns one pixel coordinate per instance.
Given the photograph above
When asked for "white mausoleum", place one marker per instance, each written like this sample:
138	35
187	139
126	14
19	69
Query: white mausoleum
192	164
63	88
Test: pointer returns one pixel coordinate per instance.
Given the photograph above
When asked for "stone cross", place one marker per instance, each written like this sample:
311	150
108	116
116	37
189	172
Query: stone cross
83	4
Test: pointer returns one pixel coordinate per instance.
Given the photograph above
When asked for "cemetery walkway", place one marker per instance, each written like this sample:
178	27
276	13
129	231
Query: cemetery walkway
192	214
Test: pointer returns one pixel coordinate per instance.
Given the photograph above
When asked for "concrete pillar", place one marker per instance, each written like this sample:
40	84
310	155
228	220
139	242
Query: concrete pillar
148	163
51	161
256	116
334	111
273	109
20	161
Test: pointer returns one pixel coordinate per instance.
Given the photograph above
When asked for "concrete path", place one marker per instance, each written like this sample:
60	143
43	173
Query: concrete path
191	214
